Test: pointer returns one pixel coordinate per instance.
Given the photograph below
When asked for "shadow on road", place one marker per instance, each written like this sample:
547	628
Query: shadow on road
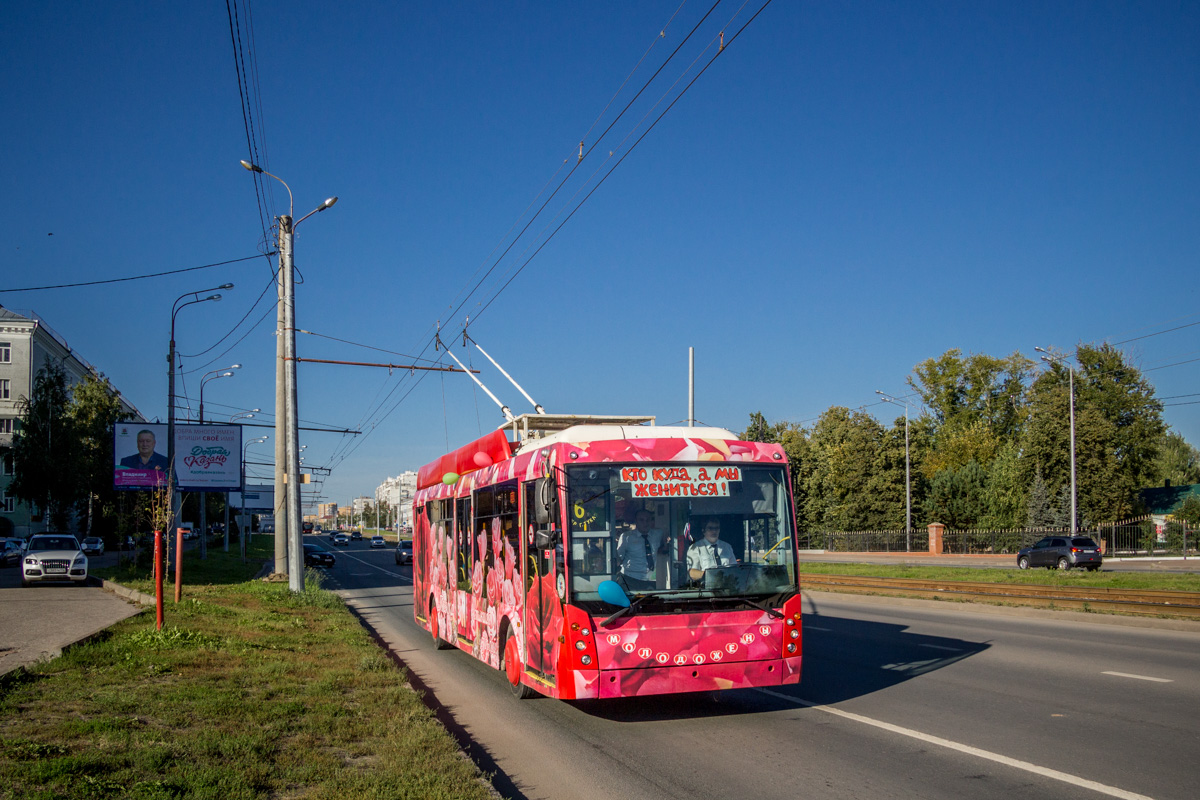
843	659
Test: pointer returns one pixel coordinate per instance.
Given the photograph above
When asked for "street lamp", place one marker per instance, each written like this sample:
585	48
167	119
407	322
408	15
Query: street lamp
176	307
209	377
887	398
244	414
1052	359
244	531
288	548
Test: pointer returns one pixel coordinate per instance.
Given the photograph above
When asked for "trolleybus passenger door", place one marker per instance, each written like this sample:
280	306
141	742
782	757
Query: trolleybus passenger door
545	582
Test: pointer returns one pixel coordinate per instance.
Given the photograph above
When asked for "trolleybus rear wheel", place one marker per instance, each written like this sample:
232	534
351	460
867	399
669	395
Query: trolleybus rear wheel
513	667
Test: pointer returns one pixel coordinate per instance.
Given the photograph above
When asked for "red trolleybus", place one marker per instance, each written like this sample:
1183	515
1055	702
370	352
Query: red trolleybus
597	557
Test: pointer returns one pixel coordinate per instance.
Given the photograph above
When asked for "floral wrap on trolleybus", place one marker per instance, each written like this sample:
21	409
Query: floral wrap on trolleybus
597	557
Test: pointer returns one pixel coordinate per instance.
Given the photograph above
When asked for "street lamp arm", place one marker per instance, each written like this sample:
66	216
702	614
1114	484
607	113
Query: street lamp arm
327	204
256	168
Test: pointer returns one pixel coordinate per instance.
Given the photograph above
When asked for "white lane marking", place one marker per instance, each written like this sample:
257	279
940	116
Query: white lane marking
939	647
1138	677
815	628
1046	772
384	570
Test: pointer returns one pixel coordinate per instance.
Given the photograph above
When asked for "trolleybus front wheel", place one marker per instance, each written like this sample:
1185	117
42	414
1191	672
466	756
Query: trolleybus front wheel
513	667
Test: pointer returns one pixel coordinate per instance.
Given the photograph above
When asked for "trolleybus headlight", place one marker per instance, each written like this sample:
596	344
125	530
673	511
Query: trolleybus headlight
586	632
790	621
586	660
791	647
795	634
579	645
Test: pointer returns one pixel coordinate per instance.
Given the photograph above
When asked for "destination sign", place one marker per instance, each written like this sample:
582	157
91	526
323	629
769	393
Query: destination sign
708	481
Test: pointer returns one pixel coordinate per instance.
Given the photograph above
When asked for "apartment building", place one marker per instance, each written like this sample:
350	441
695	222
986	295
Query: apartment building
27	343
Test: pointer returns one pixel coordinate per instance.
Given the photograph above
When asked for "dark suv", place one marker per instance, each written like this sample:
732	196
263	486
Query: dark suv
1062	552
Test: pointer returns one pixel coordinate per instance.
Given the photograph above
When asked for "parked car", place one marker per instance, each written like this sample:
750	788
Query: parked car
53	557
341	539
314	556
377	541
93	546
1062	552
10	553
15	542
356	535
404	551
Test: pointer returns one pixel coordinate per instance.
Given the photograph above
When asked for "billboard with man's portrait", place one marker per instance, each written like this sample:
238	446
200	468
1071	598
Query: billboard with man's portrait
140	453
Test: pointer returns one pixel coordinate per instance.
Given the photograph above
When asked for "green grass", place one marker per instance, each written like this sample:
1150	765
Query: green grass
248	691
1175	581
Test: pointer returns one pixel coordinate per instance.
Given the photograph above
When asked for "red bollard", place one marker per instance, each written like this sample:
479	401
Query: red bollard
158	578
178	564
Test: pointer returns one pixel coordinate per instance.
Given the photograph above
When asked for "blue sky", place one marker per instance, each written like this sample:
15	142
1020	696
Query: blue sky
849	189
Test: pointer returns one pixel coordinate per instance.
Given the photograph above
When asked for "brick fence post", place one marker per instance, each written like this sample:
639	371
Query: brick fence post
935	537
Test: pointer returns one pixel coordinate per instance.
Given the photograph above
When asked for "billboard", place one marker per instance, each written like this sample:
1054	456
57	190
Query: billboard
207	457
140	456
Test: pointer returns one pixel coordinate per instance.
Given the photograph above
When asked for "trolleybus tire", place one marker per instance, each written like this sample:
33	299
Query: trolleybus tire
513	668
438	642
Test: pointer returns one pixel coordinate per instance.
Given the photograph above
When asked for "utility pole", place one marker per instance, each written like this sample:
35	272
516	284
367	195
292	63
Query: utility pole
280	503
294	532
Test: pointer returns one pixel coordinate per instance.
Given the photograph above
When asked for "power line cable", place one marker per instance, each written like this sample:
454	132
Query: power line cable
133	277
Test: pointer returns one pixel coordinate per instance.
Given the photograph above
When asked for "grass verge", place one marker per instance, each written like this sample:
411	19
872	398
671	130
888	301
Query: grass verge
1176	581
248	691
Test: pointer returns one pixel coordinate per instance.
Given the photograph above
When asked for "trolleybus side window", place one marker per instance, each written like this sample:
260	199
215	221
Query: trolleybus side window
495	526
464	543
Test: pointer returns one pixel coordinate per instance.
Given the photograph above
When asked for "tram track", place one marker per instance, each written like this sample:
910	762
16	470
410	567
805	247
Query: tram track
1082	598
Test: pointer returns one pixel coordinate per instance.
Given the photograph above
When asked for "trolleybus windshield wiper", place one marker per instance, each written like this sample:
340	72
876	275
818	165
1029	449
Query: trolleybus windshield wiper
759	605
629	609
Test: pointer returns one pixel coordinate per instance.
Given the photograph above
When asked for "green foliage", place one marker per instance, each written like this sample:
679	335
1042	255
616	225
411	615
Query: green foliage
957	497
46	449
1177	461
992	447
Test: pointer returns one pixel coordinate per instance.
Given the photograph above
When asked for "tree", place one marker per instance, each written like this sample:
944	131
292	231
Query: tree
978	390
1004	492
843	447
1118	430
45	448
94	409
1040	509
1177	461
956	497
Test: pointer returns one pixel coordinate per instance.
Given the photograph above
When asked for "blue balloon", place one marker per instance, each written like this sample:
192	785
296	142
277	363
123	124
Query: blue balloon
612	593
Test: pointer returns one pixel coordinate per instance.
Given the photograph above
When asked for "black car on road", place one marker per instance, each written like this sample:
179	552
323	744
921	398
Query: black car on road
1062	552
316	557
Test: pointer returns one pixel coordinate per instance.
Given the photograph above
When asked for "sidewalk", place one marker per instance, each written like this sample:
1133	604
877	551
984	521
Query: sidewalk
41	621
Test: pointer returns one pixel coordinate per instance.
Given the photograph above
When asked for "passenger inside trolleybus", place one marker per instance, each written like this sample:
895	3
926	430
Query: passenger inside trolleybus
618	533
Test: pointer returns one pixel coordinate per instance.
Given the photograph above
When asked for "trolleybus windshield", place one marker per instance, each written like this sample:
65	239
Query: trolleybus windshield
712	529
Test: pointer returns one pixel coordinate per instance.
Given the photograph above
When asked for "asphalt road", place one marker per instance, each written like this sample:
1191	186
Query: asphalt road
914	700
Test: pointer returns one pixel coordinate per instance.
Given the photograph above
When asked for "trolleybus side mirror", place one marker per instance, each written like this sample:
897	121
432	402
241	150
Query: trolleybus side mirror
544	540
545	501
612	593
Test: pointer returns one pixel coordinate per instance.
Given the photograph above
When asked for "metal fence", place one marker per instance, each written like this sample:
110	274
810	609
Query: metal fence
1138	537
